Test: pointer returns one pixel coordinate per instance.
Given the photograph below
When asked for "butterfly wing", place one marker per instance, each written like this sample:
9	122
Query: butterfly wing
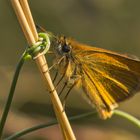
107	77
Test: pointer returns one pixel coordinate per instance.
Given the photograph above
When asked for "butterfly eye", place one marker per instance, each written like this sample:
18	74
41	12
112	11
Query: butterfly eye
65	48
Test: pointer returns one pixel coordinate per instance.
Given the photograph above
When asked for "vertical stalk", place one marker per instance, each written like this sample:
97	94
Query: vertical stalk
23	13
10	96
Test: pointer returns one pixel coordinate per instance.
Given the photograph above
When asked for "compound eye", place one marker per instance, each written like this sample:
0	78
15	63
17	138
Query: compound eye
65	48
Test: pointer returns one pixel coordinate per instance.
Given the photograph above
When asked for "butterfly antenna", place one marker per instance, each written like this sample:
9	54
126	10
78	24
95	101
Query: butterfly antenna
40	28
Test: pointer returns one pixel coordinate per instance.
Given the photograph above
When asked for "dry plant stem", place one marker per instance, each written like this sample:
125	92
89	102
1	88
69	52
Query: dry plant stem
23	22
28	27
62	118
27	13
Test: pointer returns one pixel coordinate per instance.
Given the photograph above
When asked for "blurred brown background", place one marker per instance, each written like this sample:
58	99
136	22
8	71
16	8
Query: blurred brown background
110	24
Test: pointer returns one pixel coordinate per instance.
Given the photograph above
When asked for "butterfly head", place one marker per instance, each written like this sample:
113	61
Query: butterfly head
62	47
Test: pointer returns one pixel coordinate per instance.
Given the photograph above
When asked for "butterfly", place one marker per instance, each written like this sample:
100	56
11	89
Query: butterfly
106	77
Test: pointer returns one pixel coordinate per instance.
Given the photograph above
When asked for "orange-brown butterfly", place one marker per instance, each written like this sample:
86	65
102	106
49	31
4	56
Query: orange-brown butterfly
106	77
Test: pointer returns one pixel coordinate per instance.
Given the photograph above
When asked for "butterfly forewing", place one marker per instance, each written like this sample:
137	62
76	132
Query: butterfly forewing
108	77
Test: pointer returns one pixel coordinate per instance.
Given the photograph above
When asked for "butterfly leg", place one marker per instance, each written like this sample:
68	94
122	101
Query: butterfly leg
71	83
55	76
57	63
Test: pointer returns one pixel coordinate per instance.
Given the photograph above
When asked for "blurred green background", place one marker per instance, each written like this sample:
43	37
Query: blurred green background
110	24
